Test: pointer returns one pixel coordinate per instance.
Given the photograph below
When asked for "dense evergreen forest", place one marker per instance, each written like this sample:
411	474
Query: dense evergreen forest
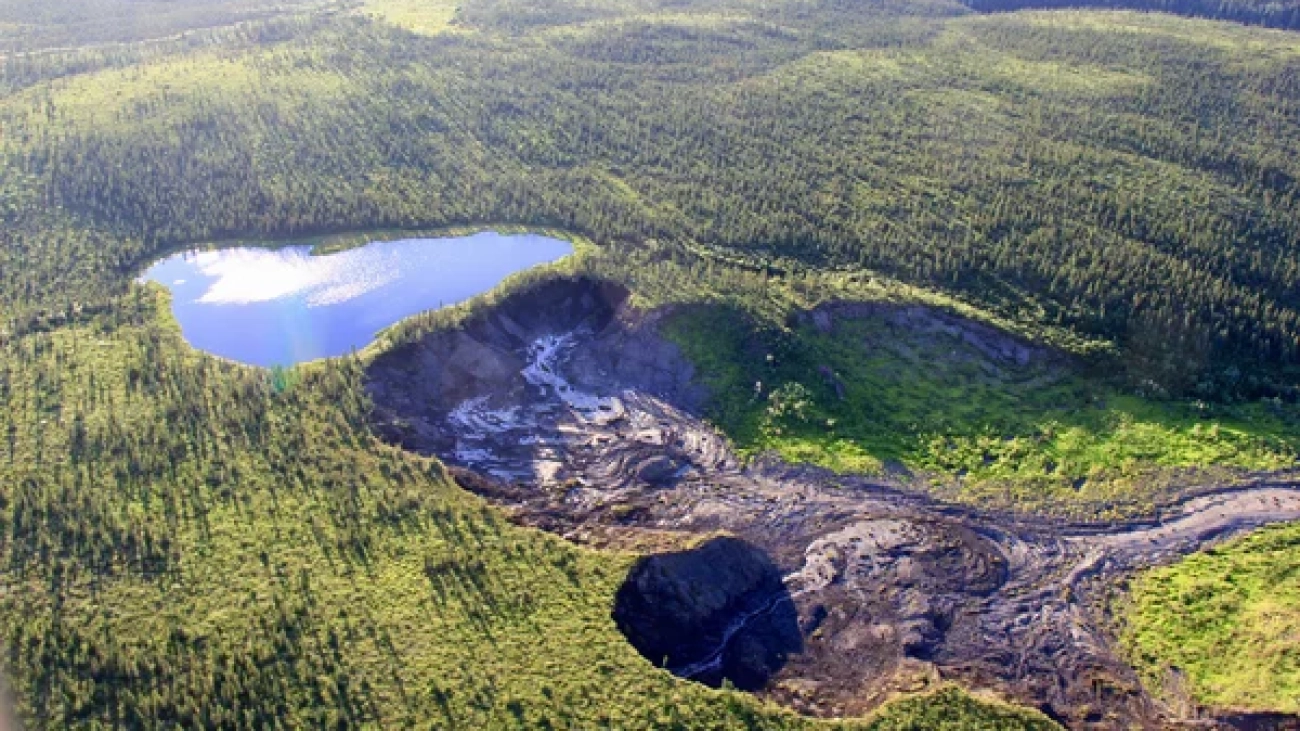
28	26
1129	178
1271	14
186	542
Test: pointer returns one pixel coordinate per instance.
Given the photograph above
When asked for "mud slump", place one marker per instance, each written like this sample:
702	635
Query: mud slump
720	611
831	593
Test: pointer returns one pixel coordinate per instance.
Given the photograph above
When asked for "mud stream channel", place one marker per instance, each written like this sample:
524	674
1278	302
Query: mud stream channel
824	592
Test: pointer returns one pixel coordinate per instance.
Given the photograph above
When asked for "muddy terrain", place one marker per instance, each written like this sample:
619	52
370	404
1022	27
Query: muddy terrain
830	593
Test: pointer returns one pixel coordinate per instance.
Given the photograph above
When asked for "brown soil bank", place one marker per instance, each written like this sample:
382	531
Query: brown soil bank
565	405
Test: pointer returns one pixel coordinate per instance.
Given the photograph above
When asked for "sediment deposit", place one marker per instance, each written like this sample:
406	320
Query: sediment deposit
833	592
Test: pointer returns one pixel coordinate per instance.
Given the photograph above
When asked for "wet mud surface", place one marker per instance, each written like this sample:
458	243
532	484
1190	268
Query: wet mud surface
566	406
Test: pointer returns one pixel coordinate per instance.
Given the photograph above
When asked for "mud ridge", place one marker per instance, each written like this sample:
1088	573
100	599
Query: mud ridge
566	406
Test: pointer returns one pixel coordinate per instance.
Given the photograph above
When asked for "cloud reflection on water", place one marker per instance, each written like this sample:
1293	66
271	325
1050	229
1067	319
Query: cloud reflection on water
247	276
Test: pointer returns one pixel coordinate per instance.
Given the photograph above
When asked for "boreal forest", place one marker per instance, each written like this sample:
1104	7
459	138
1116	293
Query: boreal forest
1009	291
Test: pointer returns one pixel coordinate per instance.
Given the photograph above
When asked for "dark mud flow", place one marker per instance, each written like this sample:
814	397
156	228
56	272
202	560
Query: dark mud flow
566	406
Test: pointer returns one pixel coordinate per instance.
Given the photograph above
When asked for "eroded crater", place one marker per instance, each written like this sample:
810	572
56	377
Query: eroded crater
565	405
719	611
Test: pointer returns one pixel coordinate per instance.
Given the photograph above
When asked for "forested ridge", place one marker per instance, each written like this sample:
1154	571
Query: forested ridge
35	26
1132	180
189	542
1271	14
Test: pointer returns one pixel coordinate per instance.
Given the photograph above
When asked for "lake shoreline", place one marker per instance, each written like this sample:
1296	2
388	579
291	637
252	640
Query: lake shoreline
294	302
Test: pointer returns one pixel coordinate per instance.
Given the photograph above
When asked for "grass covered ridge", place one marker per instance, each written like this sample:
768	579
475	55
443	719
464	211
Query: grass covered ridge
418	16
1223	626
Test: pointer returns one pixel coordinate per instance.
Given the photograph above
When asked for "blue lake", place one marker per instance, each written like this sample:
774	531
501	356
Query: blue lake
283	306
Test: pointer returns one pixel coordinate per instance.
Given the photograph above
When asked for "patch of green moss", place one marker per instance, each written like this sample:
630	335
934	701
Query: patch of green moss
875	390
1224	625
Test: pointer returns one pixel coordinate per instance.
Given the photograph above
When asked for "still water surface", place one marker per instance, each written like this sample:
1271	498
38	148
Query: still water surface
283	306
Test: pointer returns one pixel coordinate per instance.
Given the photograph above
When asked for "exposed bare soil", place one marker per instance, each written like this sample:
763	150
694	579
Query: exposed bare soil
566	406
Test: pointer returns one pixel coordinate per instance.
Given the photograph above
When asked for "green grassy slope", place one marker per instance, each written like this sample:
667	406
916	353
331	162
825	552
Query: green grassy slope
1224	626
1050	433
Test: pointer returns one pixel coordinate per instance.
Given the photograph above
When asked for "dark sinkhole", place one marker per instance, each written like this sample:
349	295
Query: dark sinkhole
716	612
